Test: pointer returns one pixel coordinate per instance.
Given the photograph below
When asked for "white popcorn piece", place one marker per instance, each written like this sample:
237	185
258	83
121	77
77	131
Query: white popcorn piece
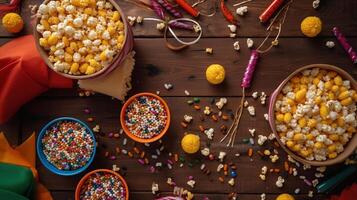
262	177
263	97
191	183
274	158
168	86
205	151
221	156
250	43
263	196
220	167
310	194
209	50
236	46
187	93
40	28
232	28
78	22
262	139
43	9
231	182
245	104
154	188
115	168
330	44
160	26
139	19
255	95
251	110
316	4
280	182
207	110
132	20
221	103
251	132
242	10
209	133
96	128
187	118
76	57
266	116
264	169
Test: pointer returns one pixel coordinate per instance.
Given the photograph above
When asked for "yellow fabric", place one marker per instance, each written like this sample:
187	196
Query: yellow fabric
24	155
116	83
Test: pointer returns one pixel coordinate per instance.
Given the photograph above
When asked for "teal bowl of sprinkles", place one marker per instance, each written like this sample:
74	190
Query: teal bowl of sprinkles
145	117
66	146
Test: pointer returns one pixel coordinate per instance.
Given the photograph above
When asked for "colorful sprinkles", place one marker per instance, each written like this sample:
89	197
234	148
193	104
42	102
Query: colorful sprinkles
145	117
103	185
67	145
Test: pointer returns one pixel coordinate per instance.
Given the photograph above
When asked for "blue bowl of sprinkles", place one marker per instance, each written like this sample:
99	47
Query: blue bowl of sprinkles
52	166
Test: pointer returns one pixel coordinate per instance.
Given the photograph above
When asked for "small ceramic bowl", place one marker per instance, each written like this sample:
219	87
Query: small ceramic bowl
43	158
132	136
348	148
85	177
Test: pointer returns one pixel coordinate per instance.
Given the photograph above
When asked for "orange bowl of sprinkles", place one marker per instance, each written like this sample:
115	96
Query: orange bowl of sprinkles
102	184
145	117
313	115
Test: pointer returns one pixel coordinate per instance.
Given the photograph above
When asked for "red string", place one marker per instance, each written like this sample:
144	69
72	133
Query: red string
13	5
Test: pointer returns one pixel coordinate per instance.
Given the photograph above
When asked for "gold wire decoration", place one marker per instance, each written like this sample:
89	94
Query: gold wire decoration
276	24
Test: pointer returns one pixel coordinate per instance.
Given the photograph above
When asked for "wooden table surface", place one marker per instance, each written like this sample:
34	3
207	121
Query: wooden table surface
157	65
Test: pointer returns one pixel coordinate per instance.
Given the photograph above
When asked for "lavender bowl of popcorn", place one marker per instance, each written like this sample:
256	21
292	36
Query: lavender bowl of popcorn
82	39
313	115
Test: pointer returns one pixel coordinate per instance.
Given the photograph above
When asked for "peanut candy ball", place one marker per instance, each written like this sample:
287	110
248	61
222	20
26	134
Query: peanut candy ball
316	114
81	37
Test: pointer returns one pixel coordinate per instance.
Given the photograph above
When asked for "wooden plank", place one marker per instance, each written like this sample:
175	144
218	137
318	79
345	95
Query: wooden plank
12	130
106	112
69	195
157	65
333	13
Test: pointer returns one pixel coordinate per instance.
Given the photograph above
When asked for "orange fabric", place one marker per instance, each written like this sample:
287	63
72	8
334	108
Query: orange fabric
24	75
23	155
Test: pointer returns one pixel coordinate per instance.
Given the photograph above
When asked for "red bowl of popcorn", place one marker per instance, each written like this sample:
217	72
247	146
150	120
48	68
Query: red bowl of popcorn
313	114
82	39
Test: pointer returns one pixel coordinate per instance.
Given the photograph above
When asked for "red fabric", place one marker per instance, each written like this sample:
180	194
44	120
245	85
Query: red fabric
24	75
13	5
347	194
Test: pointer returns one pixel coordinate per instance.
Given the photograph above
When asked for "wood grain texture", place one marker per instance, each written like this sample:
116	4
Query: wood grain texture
106	113
156	65
333	13
68	195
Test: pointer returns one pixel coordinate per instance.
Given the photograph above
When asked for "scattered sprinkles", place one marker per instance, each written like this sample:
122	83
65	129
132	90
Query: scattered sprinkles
146	117
67	145
103	185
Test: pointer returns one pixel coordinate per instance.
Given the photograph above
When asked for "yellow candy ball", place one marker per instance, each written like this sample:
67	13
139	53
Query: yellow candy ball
285	196
215	74
311	26
190	143
12	22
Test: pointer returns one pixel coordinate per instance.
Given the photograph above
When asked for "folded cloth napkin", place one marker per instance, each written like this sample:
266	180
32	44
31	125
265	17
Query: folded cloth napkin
349	193
24	155
24	75
116	83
